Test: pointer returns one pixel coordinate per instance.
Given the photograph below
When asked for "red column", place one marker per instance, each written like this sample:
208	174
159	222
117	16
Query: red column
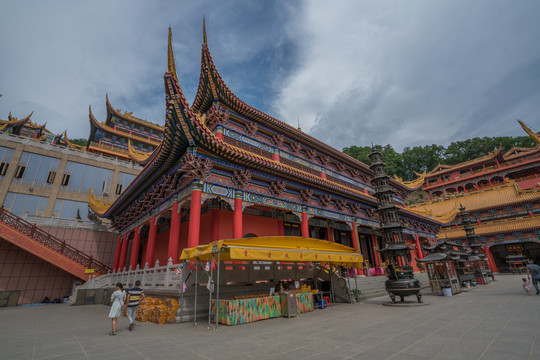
366	191
151	248
194	218
219	134
280	229
237	217
275	157
354	237
135	248
491	263
174	233
214	234
117	253
418	247
374	244
329	234
123	254
323	175
304	227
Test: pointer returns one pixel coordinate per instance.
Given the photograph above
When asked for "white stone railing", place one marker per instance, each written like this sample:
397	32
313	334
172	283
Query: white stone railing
157	276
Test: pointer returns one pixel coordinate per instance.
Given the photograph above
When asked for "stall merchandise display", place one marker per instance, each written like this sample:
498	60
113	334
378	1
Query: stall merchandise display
157	311
250	308
304	302
172	308
243	311
144	311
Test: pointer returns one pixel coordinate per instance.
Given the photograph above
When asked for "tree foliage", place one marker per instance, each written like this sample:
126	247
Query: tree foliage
426	158
80	141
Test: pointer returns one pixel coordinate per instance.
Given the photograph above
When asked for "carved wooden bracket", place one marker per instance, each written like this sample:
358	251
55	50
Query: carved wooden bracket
325	199
306	195
216	115
295	147
355	208
340	166
277	139
241	178
340	204
251	128
324	159
311	154
195	167
277	187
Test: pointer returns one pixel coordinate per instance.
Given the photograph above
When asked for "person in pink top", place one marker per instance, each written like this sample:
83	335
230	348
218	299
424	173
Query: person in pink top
527	286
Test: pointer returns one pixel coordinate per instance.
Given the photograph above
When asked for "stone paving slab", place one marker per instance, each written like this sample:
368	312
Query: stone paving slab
497	321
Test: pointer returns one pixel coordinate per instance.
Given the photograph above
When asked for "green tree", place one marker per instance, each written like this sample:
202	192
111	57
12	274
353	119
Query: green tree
426	158
79	141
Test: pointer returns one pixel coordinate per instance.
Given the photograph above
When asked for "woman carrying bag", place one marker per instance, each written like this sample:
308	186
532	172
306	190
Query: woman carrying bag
117	299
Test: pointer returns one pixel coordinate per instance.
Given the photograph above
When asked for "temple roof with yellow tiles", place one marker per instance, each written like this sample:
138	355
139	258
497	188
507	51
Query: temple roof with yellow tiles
495	227
504	195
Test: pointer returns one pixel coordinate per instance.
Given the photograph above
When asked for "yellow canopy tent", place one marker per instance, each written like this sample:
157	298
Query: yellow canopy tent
267	248
277	248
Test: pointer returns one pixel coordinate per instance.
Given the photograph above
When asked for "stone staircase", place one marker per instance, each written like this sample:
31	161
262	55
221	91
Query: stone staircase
373	286
29	237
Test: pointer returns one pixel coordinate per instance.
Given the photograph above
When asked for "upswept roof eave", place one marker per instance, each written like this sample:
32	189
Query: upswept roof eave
106	128
233	102
112	111
476	198
448	168
497	227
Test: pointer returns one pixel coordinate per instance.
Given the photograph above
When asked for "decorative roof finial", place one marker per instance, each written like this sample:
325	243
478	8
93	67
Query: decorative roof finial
170	56
205	42
299	128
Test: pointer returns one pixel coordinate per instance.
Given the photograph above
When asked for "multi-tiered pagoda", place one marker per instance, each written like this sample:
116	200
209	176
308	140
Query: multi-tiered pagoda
401	281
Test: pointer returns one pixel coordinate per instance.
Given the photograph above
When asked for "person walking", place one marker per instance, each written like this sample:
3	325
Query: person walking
533	271
135	294
117	299
527	286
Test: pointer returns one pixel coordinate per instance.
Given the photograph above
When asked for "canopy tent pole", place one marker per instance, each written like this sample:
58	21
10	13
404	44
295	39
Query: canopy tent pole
217	291
182	292
196	286
210	290
356	286
332	283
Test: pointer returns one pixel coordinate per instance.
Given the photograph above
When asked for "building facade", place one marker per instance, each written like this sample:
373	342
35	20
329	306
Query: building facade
227	170
46	180
500	191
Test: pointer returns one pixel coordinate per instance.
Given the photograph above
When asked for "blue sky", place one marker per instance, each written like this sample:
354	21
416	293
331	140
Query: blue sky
352	72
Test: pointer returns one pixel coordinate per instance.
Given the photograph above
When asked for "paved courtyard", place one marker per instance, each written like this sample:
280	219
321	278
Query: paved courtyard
497	321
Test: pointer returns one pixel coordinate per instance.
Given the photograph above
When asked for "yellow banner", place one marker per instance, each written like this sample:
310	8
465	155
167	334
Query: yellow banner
89	271
353	260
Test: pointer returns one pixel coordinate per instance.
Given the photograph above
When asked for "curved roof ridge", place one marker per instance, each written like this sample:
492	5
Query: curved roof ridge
201	101
127	116
107	128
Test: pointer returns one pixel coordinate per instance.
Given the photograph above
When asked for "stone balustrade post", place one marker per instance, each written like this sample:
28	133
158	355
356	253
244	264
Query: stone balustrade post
144	274
154	275
168	272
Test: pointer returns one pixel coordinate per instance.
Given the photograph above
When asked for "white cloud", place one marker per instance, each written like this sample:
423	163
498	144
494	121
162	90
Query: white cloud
409	73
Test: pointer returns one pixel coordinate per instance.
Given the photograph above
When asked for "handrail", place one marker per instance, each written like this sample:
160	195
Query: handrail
51	242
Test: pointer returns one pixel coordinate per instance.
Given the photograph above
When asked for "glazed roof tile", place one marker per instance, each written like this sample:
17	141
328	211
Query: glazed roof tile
506	194
213	89
496	227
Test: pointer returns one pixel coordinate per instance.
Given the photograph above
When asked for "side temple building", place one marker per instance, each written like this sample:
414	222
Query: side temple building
501	192
227	170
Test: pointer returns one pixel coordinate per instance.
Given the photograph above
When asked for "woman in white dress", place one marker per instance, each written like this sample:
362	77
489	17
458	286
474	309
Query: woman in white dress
117	299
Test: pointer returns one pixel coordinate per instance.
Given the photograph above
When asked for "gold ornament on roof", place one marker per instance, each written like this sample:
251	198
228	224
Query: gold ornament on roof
531	133
98	206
